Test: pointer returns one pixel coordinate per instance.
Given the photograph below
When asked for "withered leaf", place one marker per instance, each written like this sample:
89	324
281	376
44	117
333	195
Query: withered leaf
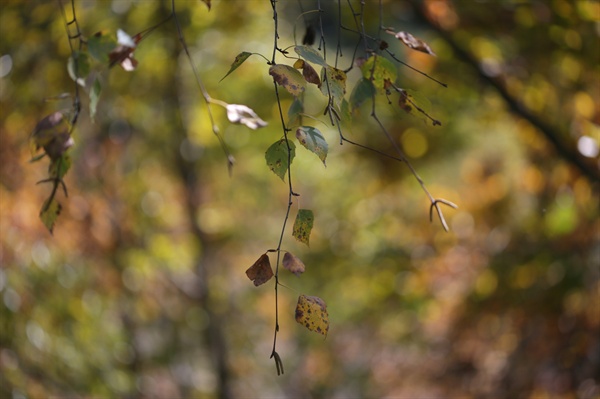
51	133
237	113
289	78
414	43
293	264
311	312
310	74
260	272
123	53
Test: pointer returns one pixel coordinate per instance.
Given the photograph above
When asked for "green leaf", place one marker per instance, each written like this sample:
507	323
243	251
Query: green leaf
346	112
239	60
279	159
100	46
335	85
312	139
94	97
380	71
416	104
311	312
60	166
49	212
79	67
303	225
288	77
363	90
310	55
294	112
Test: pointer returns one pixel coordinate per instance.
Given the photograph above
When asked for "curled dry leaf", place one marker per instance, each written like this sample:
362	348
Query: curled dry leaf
52	135
414	43
237	113
309	73
123	53
260	272
293	264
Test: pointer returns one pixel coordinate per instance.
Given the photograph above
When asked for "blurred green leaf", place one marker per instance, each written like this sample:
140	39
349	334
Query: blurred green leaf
294	112
333	82
49	212
279	157
379	70
100	45
79	67
310	55
363	90
312	139
94	97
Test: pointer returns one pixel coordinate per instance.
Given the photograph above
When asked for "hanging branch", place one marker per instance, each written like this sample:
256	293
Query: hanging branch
291	193
400	156
208	100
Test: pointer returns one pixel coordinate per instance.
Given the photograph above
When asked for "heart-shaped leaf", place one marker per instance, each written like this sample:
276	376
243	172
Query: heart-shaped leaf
279	158
260	272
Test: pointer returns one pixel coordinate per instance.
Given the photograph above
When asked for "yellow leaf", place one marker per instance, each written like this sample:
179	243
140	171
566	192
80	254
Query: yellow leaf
311	312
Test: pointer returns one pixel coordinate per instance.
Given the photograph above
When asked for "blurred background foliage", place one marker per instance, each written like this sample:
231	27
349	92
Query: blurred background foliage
141	291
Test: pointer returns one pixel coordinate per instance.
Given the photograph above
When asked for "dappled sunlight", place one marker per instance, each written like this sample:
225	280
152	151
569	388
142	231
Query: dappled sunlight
158	278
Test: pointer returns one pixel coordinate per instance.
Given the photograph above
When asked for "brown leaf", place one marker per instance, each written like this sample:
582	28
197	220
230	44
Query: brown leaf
404	103
310	74
123	53
58	145
293	264
52	135
260	272
414	43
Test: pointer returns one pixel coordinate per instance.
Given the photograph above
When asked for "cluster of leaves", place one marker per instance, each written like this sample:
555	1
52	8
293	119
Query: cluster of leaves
379	77
94	56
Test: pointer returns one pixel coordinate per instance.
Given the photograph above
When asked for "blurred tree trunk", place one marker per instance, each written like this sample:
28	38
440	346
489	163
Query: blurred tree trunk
193	182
